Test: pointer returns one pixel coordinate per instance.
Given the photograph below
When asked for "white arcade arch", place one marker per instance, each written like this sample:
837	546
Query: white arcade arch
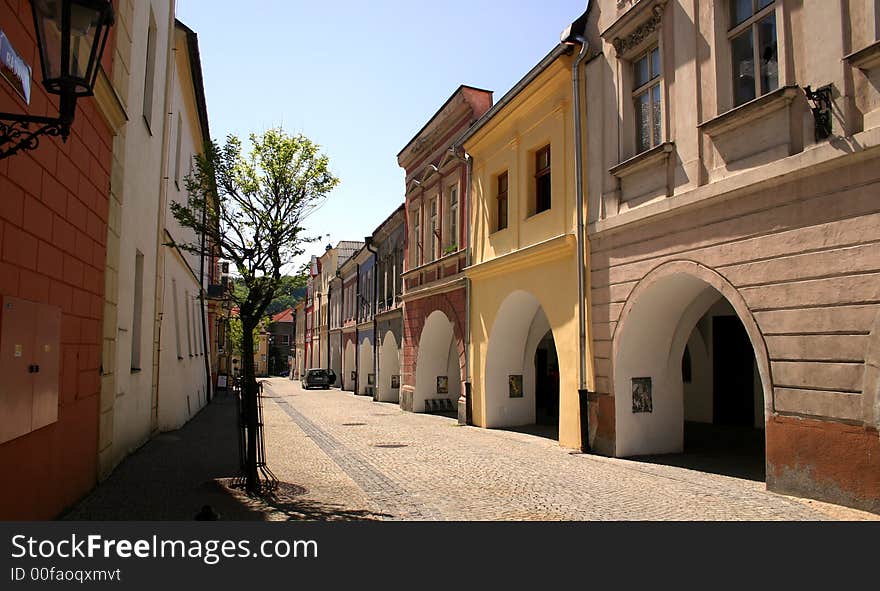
437	357
389	365
519	328
656	324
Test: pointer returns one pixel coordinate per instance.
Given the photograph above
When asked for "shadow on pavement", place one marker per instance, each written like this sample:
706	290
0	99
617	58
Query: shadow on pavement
717	449
175	474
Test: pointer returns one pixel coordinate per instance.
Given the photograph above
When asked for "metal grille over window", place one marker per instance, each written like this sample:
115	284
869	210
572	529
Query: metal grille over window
753	41
646	99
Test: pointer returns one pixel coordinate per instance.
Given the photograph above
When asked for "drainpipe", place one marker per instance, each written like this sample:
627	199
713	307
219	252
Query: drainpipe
465	415
329	293
368	241
357	336
581	241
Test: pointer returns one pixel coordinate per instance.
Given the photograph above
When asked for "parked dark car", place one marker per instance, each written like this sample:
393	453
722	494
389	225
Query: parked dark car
316	377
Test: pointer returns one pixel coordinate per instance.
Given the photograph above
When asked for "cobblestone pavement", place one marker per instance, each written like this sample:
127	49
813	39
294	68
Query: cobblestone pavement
377	461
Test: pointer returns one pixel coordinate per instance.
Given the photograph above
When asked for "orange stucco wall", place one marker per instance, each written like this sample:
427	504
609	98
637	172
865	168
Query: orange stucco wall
53	229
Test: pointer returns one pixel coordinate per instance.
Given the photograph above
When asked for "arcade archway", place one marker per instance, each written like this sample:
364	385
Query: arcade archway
522	368
690	374
438	371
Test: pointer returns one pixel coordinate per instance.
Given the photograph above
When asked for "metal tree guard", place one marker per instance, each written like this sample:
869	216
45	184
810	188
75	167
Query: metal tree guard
268	481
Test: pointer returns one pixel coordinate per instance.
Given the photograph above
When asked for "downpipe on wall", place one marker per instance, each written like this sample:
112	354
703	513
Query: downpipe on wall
583	392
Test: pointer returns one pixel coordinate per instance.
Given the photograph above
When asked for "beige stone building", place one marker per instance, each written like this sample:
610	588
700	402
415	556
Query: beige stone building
733	175
129	392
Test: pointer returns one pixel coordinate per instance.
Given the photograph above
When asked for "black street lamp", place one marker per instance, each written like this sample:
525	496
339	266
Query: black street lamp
71	35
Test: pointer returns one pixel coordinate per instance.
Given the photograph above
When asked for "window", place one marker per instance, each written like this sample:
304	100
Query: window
150	71
137	311
433	239
189	339
752	38
646	99
177	151
285	339
501	212
176	319
453	216
542	179
415	243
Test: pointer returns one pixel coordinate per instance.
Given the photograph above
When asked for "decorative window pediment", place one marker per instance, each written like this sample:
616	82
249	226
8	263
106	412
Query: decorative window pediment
636	26
429	171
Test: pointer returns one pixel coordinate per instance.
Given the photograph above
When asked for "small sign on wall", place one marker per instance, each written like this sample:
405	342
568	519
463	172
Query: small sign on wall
642	400
14	69
515	386
442	384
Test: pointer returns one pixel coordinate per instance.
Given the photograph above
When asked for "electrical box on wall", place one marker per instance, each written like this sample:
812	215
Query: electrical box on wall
30	365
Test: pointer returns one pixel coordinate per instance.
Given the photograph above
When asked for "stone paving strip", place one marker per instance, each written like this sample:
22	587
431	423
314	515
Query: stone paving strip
415	466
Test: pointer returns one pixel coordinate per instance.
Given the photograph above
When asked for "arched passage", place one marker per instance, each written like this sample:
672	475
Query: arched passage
522	367
438	371
366	371
389	369
347	380
690	368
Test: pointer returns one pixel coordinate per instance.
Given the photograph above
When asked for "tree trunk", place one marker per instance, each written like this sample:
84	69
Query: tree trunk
249	391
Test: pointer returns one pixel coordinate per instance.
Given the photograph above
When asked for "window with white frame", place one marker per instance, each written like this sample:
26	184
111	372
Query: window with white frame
647	103
452	239
753	49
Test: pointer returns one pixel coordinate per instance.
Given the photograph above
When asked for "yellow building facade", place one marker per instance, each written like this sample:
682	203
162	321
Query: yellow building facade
523	353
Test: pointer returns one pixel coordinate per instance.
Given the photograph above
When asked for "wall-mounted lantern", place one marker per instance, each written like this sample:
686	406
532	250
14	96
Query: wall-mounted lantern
821	99
71	35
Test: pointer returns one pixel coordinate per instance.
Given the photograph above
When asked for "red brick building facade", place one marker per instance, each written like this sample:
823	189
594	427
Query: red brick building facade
435	255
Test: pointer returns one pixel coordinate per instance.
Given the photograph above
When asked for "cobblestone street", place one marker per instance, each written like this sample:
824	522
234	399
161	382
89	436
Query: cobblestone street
374	459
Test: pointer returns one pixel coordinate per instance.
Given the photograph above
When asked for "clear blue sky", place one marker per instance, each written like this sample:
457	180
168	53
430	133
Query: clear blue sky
360	78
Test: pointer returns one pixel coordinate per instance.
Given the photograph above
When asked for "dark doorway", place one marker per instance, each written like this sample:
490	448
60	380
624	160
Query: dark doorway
546	382
733	370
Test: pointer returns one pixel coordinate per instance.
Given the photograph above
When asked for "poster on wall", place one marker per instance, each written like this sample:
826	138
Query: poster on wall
442	384
395	382
221	381
641	388
515	386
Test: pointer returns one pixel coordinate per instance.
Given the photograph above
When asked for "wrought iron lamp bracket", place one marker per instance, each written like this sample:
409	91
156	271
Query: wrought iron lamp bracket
16	131
821	99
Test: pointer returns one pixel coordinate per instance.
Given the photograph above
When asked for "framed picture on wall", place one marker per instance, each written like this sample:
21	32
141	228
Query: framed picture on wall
641	389
515	386
442	384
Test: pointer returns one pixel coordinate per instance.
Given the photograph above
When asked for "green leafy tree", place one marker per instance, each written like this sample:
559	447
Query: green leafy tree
252	207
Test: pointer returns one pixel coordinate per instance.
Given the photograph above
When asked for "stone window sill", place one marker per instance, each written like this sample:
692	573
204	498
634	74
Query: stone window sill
866	58
751	111
656	155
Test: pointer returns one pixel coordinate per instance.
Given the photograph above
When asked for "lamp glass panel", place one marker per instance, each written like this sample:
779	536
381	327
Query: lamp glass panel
48	23
84	25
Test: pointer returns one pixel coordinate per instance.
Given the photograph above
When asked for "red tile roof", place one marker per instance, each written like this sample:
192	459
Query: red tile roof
283	316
